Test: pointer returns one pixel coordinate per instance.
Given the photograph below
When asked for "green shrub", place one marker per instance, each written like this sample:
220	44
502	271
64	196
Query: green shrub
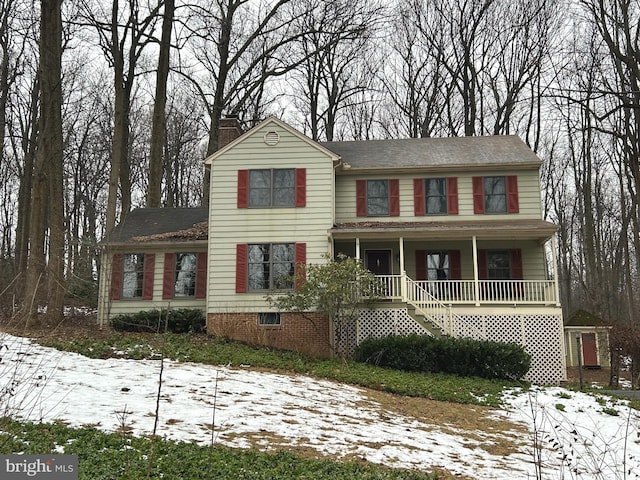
459	356
182	320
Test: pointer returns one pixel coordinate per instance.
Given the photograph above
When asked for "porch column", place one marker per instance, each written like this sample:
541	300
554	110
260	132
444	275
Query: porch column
357	248
403	273
476	285
554	259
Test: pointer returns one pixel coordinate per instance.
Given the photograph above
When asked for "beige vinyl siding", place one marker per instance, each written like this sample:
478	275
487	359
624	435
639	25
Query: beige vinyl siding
111	308
528	196
229	225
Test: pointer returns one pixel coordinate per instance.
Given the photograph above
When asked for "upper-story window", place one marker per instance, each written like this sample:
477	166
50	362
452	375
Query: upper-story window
495	194
377	198
435	196
272	187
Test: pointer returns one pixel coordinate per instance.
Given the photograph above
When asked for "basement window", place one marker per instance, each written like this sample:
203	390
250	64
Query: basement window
269	318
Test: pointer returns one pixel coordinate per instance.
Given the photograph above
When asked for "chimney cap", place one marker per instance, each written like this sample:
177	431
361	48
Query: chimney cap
231	115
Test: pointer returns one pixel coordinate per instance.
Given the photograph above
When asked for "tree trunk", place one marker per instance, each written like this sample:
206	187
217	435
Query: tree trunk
48	178
158	135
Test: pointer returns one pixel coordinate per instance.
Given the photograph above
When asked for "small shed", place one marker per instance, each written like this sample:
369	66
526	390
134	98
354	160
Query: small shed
593	336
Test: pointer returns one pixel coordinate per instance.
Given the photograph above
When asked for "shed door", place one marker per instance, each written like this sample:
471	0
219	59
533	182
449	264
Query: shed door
589	350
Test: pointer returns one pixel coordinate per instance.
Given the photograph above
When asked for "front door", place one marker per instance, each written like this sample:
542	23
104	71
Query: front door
378	262
589	350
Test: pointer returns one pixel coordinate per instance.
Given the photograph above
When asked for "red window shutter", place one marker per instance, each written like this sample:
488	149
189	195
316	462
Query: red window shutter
117	267
301	187
243	188
452	195
361	198
455	265
394	197
301	260
478	195
483	268
147	276
512	194
201	275
241	267
421	265
168	276
516	264
418	197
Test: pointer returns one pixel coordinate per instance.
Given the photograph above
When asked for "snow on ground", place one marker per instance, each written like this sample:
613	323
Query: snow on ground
577	438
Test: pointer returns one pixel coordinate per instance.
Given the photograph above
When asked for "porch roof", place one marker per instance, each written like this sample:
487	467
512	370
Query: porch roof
522	229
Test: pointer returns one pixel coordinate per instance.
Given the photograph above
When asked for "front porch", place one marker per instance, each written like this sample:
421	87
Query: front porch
471	292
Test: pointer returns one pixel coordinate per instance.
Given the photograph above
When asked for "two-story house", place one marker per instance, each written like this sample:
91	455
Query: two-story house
453	227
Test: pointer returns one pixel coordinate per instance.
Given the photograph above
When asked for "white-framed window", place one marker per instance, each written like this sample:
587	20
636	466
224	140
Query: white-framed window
272	188
435	196
438	266
377	197
269	319
498	265
185	275
132	275
495	194
270	266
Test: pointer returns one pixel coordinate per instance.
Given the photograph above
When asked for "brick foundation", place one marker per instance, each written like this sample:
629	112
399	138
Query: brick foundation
305	333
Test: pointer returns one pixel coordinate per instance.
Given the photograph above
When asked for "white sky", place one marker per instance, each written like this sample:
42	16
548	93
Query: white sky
331	418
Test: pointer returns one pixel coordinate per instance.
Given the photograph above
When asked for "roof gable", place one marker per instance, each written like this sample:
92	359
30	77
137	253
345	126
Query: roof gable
267	126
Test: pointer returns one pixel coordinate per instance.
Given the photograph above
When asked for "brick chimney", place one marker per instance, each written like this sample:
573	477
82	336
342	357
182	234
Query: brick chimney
229	130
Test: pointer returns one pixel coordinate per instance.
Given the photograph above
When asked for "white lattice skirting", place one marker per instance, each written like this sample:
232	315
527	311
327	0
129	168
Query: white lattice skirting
540	334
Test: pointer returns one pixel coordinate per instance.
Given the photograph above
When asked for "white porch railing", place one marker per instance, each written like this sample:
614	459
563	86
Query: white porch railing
464	292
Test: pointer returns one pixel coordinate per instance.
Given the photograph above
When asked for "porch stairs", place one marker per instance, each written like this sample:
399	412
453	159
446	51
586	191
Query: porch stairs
433	315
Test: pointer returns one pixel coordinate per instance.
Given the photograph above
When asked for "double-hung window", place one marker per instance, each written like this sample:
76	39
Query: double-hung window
495	194
498	265
377	198
270	266
435	196
185	275
132	275
438	265
272	188
267	266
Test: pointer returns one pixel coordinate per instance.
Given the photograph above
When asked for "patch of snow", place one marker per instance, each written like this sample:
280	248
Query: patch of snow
276	411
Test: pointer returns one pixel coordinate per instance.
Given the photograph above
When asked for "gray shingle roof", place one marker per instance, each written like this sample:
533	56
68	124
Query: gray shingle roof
435	152
147	222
